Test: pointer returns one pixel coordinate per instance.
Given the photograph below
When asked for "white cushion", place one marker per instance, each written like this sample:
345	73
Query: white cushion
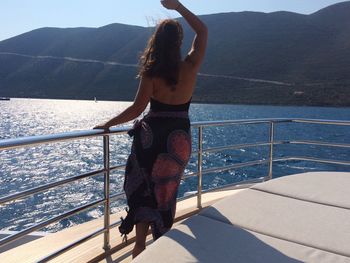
299	218
306	223
202	239
319	187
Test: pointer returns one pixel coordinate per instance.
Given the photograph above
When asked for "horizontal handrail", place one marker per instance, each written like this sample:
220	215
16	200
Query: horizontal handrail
311	159
42	139
262	161
45	187
188	175
259	162
49	222
315	143
209	150
235	122
234	166
323	122
33	140
8	144
117	167
247	145
117	196
235	146
269	120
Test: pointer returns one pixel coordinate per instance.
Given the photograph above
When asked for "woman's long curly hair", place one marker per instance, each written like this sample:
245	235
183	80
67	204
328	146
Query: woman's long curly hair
162	56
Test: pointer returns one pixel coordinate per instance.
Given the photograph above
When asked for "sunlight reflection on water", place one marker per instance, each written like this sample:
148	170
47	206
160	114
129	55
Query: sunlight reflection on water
25	168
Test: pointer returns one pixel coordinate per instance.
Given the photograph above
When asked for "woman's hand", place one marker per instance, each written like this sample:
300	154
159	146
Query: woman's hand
170	4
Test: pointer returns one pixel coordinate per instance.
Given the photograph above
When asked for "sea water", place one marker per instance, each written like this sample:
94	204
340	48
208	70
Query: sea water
28	167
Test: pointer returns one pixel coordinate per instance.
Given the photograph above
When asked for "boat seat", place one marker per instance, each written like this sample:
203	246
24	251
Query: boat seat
298	218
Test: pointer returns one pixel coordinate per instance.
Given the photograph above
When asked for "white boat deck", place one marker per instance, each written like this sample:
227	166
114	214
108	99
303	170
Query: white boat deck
92	251
297	218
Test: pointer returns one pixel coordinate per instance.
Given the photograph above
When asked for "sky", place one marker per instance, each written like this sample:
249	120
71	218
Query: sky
20	16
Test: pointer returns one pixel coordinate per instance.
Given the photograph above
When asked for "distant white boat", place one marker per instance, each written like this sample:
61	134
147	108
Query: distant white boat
4	98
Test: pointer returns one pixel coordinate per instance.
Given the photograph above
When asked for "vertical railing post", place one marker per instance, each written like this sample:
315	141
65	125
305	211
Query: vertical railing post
106	245
200	159
271	141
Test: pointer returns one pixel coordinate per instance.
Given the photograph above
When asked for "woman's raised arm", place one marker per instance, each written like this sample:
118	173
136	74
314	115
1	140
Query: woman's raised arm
197	52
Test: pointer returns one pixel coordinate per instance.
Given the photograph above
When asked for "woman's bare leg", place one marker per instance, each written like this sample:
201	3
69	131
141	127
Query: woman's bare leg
141	234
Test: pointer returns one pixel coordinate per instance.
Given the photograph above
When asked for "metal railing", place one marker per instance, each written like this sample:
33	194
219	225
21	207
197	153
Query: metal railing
200	126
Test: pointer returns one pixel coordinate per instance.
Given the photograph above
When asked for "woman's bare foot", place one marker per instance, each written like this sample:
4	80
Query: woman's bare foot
137	250
140	243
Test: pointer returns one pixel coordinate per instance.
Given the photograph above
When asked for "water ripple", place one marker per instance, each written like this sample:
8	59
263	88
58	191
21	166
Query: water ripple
24	168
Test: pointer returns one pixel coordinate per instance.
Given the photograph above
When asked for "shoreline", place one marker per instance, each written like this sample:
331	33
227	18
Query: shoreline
196	102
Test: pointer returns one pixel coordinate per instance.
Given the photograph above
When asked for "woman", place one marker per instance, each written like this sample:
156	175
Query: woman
162	142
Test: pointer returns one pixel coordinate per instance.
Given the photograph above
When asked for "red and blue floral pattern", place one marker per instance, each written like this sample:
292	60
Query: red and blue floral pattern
160	152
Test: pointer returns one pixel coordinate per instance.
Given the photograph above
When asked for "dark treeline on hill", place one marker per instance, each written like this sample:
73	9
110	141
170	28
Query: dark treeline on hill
305	60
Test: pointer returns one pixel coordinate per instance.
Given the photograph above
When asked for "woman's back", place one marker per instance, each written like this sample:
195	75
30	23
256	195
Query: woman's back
182	92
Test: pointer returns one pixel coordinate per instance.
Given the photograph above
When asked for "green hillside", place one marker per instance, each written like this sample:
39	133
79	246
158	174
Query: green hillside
308	54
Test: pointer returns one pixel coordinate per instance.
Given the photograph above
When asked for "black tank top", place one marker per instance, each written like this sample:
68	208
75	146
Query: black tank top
157	106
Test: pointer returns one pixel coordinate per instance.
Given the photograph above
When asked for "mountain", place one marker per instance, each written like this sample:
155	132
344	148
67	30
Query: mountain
252	58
